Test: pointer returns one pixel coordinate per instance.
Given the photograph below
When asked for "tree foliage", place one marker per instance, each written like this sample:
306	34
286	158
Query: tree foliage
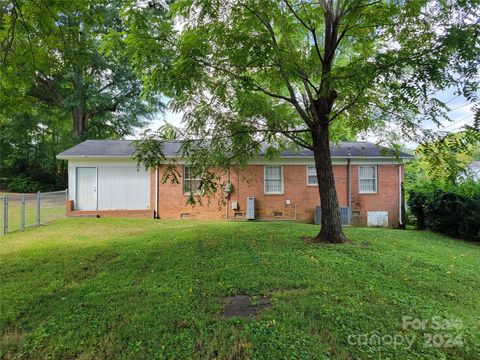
302	72
446	159
58	79
52	53
450	209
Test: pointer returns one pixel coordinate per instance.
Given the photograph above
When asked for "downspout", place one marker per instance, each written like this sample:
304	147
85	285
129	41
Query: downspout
400	195
349	200
349	197
227	195
156	192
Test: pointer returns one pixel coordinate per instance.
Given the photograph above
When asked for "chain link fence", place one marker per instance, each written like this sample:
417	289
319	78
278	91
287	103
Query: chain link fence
19	211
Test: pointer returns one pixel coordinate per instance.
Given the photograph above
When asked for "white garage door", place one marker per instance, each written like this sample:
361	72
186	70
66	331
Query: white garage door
123	187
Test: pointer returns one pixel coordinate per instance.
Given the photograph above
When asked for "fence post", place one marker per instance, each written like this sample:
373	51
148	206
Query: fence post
22	212
38	208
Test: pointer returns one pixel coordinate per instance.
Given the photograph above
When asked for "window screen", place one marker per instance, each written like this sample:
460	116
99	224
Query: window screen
191	183
368	179
273	180
311	175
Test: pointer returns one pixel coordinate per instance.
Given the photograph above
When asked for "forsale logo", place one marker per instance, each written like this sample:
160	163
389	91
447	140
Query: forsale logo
437	332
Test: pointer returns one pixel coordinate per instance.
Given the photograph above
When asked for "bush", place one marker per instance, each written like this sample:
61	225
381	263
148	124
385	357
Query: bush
25	184
416	201
452	210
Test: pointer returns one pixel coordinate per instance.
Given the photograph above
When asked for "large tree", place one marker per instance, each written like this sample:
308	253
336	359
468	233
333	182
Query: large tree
52	52
247	72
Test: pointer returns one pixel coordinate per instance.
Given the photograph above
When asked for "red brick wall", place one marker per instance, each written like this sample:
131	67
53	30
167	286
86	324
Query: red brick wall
386	198
303	198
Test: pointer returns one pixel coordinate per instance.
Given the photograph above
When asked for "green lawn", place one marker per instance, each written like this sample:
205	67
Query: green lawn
128	288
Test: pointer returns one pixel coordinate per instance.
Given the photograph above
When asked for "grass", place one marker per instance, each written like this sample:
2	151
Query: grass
103	288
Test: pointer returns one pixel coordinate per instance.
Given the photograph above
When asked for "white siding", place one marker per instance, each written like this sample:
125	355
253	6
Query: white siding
123	187
120	185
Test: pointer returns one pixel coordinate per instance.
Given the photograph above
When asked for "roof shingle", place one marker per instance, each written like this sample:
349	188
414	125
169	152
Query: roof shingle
124	148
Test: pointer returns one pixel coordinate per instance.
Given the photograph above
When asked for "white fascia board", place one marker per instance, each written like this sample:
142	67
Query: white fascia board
88	157
290	160
335	161
102	162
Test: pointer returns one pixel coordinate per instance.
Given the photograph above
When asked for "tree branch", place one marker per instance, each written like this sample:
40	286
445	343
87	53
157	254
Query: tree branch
297	140
317	47
289	86
290	7
349	105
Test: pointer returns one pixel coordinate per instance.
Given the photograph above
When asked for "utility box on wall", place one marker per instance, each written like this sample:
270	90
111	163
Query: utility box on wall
377	218
318	215
250	208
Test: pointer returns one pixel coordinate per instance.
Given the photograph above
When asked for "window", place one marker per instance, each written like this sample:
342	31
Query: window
368	179
273	180
312	176
191	182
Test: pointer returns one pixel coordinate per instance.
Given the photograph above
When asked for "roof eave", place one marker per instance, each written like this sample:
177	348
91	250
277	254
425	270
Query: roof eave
67	157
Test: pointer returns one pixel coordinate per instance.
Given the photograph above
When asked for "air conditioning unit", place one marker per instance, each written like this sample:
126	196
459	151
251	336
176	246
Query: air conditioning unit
344	213
250	208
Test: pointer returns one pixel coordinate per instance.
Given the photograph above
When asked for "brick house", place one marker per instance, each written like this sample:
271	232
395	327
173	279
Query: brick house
103	180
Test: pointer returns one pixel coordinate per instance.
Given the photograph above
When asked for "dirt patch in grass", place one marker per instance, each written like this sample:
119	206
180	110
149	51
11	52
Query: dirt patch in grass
9	340
244	306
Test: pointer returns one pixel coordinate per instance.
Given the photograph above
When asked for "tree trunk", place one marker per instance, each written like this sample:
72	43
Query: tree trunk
331	226
80	118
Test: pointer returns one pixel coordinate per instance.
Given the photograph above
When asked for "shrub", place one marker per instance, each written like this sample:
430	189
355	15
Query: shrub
416	201
452	210
25	184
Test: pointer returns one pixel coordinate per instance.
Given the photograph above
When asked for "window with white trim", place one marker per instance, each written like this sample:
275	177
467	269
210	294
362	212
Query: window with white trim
367	179
191	182
312	175
273	180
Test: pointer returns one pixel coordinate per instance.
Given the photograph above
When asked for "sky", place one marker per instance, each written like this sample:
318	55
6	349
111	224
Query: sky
461	114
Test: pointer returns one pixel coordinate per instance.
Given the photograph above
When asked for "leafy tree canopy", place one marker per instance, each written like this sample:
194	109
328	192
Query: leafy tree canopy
57	80
51	53
302	72
444	161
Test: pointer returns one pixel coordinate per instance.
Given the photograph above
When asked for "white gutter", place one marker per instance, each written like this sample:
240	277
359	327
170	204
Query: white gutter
66	157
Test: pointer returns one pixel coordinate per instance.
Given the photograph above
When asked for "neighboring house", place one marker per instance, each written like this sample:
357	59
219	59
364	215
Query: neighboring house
103	180
473	169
